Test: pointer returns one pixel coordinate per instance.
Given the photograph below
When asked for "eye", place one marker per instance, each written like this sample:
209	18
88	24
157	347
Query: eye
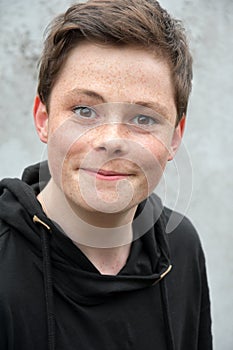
85	112
144	120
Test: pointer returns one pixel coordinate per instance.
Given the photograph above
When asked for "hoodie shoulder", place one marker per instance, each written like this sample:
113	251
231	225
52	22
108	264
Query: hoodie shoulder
175	223
179	225
183	239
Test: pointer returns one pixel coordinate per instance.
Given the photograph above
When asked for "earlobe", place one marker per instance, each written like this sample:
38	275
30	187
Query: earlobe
41	119
177	137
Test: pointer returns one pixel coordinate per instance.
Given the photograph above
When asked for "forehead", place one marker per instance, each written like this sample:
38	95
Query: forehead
119	74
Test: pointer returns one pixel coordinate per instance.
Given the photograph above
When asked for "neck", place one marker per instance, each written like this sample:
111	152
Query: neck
104	238
108	261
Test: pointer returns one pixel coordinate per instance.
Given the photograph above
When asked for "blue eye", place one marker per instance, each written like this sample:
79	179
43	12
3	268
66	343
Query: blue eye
144	120
85	112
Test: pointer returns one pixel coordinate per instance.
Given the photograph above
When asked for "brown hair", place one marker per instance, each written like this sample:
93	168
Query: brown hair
141	23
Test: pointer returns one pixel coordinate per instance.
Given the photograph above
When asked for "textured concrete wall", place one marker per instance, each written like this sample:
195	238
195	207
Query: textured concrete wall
208	137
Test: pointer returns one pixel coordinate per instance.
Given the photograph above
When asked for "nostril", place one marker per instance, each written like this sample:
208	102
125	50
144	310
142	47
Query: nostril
113	146
106	149
118	151
101	148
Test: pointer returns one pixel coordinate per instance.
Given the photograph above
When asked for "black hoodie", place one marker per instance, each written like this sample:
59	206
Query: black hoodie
53	297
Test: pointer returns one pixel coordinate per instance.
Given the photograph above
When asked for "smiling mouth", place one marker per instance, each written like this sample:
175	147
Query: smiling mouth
106	174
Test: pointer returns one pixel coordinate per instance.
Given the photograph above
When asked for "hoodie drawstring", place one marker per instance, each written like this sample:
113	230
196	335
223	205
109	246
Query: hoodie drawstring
48	283
48	289
166	315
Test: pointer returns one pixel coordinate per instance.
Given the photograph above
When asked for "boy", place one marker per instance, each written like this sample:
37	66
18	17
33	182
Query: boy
85	259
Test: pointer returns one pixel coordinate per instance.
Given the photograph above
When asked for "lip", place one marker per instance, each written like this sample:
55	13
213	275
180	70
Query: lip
106	174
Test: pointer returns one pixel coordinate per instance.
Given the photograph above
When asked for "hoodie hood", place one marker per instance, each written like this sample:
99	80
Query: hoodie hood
72	273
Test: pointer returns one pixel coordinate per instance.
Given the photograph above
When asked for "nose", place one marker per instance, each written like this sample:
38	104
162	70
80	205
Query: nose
112	139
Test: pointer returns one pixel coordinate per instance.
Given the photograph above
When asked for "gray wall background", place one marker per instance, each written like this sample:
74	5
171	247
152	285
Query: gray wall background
204	165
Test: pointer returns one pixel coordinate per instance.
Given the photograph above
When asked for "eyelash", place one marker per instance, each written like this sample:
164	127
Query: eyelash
82	108
152	120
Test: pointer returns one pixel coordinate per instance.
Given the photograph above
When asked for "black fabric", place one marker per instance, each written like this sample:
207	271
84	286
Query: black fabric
53	297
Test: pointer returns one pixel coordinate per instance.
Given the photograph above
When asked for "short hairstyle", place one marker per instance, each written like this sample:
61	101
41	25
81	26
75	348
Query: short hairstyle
141	23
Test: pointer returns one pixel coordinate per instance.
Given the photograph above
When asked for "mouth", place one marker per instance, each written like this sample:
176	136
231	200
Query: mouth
106	174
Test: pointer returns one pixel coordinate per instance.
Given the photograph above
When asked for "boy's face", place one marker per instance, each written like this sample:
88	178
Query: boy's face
111	126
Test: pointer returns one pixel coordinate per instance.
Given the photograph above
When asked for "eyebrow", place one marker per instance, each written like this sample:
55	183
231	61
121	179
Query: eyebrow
88	93
159	108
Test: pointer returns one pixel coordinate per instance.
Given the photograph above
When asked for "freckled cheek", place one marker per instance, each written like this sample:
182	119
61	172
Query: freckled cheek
65	148
77	151
82	148
154	163
157	148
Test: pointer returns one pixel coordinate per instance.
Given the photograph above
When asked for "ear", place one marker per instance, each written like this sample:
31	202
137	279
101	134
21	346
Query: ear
41	119
177	137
